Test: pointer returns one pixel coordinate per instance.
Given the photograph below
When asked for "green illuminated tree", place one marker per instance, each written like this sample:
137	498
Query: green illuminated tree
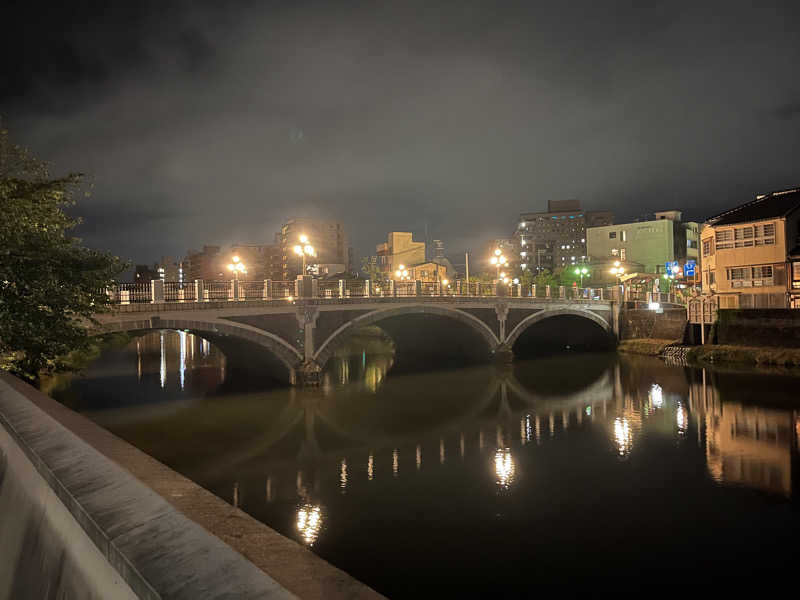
50	284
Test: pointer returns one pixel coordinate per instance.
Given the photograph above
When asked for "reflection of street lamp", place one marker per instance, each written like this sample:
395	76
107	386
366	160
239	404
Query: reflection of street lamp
304	249
309	522
236	267
504	468
581	271
498	260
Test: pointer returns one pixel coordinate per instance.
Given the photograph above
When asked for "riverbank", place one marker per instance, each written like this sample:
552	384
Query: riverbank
713	354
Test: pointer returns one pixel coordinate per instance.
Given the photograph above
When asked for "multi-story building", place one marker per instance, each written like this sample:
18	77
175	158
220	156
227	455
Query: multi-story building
748	253
648	244
170	269
556	239
399	249
438	250
207	264
329	239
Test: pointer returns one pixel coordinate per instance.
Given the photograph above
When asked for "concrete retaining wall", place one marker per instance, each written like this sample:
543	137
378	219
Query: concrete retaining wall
643	323
75	524
759	327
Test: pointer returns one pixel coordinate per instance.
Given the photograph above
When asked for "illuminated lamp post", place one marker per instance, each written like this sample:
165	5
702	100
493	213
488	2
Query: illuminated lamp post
499	261
304	249
402	273
581	271
236	267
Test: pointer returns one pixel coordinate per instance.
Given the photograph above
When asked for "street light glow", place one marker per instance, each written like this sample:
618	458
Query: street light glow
304	239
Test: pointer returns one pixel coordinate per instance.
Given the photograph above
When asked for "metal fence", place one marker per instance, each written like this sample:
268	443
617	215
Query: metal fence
231	290
130	293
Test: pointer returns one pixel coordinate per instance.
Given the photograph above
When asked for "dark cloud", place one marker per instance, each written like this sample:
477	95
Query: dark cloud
215	123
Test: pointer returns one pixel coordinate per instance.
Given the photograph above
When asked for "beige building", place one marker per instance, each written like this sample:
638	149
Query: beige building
399	249
427	272
746	253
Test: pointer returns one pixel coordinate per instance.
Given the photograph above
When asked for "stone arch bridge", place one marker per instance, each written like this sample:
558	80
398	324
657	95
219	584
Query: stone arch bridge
302	334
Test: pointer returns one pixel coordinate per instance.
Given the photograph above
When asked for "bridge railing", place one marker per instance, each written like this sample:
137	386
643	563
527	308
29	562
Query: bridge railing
159	291
131	293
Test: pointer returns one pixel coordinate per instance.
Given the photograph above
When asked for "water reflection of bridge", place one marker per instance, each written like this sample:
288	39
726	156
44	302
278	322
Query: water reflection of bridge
744	445
330	439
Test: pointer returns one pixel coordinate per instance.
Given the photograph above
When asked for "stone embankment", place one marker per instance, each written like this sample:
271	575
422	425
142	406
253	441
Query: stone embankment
710	354
84	514
756	337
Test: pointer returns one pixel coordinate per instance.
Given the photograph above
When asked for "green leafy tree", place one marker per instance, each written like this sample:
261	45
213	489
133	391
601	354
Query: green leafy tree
50	284
546	278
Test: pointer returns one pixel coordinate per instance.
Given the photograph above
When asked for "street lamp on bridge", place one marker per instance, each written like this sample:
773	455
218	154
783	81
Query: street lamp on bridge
236	266
581	271
499	261
304	248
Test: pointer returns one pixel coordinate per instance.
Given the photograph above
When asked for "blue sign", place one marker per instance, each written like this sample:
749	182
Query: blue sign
689	268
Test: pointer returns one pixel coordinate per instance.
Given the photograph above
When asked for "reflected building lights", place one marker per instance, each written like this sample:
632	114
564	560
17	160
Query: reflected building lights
656	396
504	468
343	476
206	348
182	364
139	359
681	418
395	462
163	367
461	444
370	467
269	489
441	451
236	495
623	436
309	523
419	457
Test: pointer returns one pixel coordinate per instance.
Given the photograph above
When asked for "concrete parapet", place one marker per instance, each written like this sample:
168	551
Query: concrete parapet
111	532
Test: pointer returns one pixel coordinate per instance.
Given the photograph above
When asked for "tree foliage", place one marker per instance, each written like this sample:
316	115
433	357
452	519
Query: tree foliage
50	284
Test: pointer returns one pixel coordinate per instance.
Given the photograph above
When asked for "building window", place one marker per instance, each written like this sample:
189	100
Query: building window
624	235
762	276
612	235
707	247
764	234
622	255
615	252
738	273
725	239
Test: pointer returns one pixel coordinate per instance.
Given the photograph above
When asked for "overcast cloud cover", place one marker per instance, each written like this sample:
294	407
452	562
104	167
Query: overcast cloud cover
206	124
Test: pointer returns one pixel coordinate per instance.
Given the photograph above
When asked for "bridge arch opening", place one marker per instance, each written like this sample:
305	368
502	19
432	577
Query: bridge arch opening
423	338
249	363
550	332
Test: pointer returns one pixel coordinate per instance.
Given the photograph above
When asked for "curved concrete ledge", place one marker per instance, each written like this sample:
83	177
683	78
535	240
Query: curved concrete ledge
156	533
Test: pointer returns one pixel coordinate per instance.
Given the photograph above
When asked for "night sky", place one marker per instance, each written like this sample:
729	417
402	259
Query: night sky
212	124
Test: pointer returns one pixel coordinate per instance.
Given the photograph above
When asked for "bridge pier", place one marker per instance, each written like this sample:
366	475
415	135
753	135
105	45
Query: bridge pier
306	374
503	355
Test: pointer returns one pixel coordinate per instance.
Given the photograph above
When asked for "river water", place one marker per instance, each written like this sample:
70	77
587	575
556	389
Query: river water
480	481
